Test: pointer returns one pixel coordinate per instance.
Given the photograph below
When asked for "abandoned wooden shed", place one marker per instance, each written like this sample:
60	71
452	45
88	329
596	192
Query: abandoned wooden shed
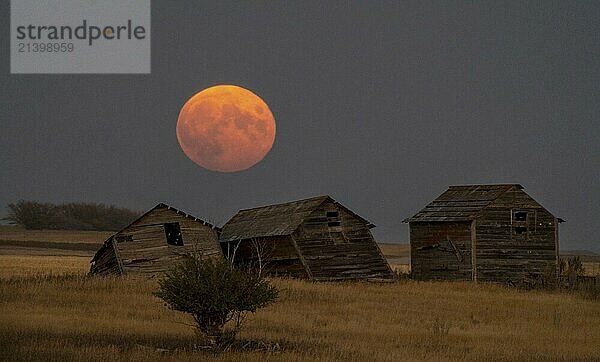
494	233
154	242
316	238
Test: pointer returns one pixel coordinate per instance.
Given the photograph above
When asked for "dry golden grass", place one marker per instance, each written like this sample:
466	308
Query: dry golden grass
77	318
395	250
591	268
15	240
28	265
400	268
397	255
16	233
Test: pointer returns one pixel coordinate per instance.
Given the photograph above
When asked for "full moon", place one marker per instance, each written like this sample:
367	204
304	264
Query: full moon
226	128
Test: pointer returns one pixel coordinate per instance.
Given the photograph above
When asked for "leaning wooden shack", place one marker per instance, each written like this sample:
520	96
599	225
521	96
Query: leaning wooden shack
154	242
495	233
316	238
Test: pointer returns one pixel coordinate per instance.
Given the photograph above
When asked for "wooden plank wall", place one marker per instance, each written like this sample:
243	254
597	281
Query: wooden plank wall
344	252
143	248
503	255
279	255
440	250
107	263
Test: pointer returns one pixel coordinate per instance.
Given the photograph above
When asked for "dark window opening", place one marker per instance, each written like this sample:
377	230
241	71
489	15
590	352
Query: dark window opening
521	216
520	229
173	234
333	219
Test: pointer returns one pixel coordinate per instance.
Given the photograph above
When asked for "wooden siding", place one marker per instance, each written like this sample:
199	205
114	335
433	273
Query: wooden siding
339	252
279	256
329	241
512	250
441	250
106	263
142	249
510	237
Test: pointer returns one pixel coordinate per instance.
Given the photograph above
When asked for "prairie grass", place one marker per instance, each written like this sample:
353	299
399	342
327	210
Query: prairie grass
15	240
395	250
28	265
17	233
64	315
592	268
398	256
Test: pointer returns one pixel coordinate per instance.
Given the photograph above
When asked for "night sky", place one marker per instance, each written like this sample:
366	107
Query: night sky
381	105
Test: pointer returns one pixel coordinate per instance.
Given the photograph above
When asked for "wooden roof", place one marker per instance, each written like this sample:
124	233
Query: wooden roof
461	203
274	220
165	206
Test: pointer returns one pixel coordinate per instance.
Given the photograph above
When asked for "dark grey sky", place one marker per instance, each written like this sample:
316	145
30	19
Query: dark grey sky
380	104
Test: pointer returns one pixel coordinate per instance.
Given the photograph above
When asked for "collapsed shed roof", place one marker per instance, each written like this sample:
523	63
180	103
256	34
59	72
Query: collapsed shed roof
274	220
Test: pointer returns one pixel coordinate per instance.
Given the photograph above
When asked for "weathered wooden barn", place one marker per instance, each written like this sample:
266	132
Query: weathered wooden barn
315	238
494	233
153	242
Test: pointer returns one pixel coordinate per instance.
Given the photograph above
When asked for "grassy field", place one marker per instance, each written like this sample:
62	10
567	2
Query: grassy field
398	256
56	236
46	314
18	241
49	310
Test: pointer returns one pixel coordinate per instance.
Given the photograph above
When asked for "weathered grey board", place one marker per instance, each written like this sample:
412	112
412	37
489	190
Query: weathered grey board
440	247
142	248
315	238
498	233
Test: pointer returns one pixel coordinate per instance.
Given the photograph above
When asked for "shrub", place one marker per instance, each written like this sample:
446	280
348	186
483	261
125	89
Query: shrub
214	292
571	270
574	280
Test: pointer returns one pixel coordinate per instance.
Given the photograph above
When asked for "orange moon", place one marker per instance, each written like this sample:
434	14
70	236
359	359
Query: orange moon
226	128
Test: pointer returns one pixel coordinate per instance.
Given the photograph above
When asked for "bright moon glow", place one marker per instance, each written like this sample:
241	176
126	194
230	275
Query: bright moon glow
226	128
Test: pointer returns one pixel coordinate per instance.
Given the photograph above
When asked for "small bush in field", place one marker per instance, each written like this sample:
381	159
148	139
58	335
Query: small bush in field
573	278
214	292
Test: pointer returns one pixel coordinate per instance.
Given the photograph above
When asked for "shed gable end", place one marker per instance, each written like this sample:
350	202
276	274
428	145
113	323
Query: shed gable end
158	239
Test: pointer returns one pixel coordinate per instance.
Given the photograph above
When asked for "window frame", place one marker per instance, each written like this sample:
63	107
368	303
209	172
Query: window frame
519	223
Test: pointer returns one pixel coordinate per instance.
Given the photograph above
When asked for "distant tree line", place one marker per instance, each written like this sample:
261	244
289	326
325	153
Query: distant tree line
69	216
